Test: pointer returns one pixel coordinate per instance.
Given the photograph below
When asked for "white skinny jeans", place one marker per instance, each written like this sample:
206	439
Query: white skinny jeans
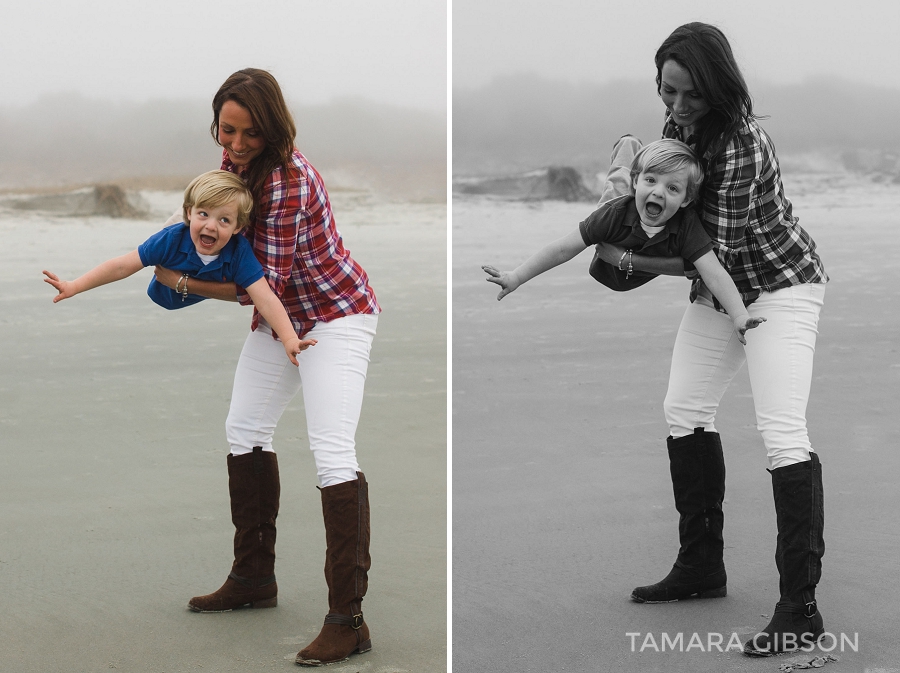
332	375
779	355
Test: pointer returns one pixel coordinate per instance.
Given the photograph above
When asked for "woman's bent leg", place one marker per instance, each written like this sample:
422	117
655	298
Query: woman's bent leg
704	361
264	383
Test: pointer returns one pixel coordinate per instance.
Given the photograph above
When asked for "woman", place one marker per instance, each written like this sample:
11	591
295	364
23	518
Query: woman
773	262
328	298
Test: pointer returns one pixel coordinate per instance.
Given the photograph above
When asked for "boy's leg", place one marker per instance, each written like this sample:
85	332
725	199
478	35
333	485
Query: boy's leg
618	177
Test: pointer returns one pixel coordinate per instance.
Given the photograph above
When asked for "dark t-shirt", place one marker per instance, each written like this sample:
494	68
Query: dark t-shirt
618	222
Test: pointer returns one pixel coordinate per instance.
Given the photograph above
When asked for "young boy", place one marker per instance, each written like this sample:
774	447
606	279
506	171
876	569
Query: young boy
655	221
216	206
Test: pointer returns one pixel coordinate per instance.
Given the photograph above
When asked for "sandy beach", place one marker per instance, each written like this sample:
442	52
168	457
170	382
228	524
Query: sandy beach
114	499
562	500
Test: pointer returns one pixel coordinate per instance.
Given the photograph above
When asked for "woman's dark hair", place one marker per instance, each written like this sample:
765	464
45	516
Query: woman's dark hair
703	51
258	92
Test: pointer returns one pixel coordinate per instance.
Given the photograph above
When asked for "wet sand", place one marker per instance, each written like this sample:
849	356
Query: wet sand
562	500
113	494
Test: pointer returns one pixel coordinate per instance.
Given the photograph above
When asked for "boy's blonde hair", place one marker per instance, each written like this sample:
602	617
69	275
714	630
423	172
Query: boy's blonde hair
216	188
667	156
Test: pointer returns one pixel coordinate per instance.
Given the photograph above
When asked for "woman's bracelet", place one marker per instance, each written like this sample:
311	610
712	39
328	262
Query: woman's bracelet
622	259
182	290
630	264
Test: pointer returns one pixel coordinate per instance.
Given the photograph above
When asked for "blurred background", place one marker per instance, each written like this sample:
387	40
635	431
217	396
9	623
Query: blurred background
537	84
110	91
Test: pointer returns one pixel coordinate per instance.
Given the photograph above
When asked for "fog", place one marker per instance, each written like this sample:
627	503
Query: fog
521	122
66	140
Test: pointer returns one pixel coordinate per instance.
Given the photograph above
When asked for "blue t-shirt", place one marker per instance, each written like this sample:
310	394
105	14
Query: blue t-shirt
173	248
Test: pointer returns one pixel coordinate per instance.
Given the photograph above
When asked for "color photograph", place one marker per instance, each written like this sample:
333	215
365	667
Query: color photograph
224	383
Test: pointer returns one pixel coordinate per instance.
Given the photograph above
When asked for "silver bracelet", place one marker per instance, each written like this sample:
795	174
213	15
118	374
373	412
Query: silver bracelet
622	259
183	290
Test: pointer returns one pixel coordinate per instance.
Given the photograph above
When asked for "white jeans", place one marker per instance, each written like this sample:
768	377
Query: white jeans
332	375
779	355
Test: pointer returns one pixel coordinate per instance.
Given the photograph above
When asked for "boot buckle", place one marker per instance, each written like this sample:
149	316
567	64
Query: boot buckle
357	622
811	609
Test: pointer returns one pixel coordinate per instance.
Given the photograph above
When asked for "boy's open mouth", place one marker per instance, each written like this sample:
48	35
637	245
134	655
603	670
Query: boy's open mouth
653	209
208	241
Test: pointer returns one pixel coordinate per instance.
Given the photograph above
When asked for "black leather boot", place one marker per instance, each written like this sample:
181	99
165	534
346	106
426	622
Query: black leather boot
800	513
697	465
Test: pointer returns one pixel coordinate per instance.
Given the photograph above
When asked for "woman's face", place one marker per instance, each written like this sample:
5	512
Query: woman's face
678	93
241	139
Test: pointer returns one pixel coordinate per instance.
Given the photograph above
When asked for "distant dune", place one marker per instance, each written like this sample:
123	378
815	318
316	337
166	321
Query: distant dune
67	140
525	122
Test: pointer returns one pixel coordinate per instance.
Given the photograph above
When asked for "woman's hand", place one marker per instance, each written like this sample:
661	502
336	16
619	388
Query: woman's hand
166	276
63	287
610	253
507	281
745	322
297	345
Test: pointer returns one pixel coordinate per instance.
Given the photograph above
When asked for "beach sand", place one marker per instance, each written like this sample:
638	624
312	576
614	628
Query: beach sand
562	500
114	495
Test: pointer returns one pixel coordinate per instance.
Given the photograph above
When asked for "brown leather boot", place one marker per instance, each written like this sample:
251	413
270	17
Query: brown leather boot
347	561
255	488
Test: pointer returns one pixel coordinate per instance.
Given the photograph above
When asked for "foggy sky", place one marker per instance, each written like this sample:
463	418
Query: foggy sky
389	51
780	41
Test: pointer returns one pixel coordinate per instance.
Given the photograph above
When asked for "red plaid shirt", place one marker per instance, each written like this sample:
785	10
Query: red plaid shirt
748	217
296	241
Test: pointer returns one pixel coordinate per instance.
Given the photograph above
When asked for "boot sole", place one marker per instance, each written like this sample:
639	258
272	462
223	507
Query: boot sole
720	592
254	605
360	649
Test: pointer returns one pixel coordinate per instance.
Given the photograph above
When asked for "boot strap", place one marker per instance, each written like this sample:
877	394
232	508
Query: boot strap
355	622
808	610
247	582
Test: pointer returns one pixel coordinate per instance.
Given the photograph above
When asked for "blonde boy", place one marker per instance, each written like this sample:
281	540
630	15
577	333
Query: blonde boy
216	206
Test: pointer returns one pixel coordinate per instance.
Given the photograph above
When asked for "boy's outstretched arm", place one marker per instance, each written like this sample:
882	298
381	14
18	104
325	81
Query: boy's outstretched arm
551	255
721	285
109	271
271	308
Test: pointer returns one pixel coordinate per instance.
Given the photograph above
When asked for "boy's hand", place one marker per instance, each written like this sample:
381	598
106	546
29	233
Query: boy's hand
505	280
297	345
745	322
64	287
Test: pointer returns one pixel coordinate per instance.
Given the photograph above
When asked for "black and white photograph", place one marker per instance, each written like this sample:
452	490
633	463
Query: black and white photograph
675	354
223	392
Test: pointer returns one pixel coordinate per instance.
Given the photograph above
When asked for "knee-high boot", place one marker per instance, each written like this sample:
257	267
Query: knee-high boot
345	508
255	488
800	515
697	466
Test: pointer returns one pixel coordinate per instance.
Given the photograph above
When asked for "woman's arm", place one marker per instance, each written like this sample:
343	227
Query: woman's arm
721	285
661	266
205	288
551	255
272	310
109	271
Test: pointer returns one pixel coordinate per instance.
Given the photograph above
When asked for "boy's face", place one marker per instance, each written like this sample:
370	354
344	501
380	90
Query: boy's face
212	227
658	196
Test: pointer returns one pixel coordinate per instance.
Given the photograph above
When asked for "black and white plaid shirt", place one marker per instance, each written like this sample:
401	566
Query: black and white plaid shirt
748	217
